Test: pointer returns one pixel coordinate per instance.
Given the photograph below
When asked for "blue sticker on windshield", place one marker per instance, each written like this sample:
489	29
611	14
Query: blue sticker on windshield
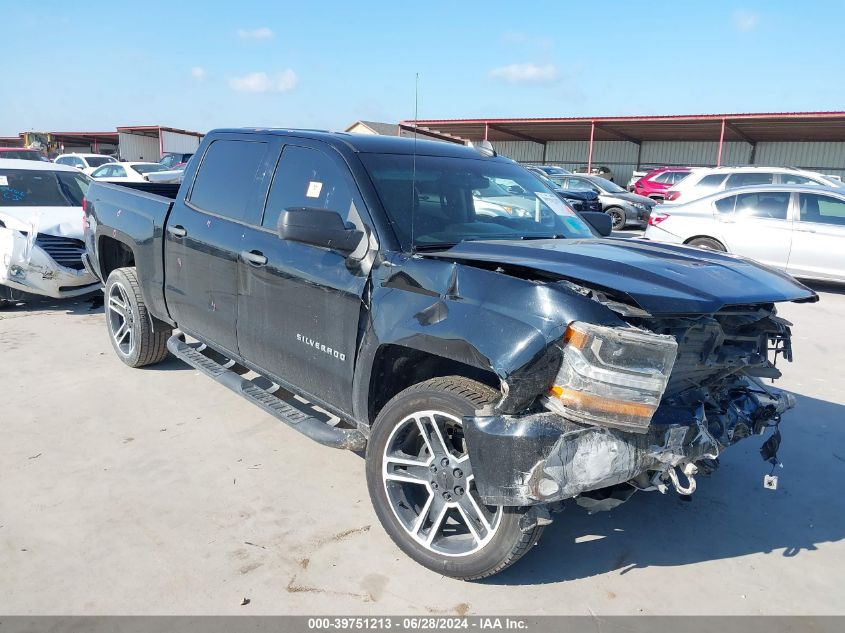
16	195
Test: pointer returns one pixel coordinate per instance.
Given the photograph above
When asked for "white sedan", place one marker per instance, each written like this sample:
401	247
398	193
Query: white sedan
41	233
799	229
126	172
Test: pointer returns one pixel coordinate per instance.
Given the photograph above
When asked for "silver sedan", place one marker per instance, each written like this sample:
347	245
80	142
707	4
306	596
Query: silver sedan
798	229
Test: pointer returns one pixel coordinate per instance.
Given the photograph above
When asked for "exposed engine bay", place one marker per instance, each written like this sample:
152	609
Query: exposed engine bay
714	396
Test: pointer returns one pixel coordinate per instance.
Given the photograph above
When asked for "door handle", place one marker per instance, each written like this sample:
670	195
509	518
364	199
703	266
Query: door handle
254	258
806	230
177	231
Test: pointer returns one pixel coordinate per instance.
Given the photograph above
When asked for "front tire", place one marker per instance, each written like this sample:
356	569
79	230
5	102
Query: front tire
617	217
420	480
130	327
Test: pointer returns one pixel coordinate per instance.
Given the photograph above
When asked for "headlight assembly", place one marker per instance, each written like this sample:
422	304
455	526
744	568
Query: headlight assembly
612	376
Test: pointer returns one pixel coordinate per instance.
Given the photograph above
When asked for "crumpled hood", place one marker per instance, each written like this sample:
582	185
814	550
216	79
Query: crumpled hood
58	221
659	278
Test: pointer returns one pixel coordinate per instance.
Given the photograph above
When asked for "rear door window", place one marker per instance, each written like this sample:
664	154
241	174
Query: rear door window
768	205
745	179
307	177
227	177
822	209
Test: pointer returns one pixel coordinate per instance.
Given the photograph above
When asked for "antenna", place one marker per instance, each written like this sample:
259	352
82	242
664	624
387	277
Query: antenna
414	159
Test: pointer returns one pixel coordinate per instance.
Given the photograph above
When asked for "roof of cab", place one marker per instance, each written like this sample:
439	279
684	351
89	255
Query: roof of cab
368	143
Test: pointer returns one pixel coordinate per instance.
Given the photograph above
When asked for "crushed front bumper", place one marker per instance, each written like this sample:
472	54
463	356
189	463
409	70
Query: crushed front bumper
27	268
543	458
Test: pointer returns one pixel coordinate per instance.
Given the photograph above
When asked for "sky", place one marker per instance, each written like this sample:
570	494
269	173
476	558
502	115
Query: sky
92	66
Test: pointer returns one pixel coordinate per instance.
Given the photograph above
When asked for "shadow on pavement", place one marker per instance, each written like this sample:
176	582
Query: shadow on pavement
86	304
730	515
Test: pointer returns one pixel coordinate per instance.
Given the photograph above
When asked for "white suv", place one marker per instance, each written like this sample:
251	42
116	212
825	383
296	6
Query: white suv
87	163
703	182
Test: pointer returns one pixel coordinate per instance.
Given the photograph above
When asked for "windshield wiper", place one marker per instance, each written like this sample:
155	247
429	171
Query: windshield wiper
438	246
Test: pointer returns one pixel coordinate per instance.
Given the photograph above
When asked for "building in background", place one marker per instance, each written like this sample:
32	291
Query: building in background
151	142
399	129
810	140
139	142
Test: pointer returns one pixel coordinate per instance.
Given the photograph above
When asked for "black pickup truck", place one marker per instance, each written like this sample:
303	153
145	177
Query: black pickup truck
491	367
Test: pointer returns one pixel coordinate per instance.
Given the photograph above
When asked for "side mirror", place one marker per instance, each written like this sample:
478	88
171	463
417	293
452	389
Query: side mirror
318	227
601	222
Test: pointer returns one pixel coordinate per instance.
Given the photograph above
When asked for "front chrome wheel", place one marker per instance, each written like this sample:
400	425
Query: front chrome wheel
120	319
428	480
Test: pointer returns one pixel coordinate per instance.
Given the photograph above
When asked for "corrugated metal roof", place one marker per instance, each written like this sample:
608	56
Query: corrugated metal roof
749	127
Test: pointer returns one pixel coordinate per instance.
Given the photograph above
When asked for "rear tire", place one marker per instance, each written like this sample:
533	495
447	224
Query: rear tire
436	517
708	243
129	323
617	218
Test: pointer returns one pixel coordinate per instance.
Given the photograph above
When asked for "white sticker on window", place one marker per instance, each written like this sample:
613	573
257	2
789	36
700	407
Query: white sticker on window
314	189
555	204
4	181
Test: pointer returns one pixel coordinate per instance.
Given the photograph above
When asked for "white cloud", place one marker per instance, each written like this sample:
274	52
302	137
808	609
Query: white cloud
262	82
745	20
262	33
525	73
198	73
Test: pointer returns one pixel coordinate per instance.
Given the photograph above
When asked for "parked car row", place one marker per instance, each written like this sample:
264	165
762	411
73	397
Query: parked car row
797	228
624	208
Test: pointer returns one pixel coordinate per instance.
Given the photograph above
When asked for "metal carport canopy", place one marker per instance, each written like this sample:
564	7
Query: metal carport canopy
751	128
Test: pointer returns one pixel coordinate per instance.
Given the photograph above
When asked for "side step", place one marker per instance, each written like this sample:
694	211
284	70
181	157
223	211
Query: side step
316	429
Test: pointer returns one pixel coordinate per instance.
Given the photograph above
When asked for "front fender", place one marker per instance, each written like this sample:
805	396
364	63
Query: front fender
486	319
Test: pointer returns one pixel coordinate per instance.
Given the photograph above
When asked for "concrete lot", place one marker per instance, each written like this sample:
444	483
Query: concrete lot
157	491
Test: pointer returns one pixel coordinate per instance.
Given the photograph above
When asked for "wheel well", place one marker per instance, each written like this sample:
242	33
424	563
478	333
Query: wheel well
396	368
113	254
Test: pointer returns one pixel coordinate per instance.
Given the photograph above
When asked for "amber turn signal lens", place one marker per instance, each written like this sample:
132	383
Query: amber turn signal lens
579	400
576	337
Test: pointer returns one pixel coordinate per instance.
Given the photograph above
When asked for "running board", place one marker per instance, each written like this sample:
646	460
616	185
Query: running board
316	429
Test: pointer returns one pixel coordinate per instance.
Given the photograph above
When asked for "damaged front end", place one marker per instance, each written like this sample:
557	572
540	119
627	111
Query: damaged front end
34	262
639	408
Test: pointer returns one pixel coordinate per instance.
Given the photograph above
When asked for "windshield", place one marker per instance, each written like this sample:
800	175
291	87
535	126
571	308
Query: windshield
443	199
22	188
96	161
149	167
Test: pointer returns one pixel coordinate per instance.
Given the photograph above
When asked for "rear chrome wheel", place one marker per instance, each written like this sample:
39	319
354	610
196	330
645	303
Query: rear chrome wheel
120	318
134	337
423	486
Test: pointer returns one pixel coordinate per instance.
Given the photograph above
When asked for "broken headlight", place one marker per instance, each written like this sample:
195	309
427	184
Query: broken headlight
612	376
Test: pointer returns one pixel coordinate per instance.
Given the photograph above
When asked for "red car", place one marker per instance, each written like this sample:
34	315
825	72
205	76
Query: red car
21	153
656	182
